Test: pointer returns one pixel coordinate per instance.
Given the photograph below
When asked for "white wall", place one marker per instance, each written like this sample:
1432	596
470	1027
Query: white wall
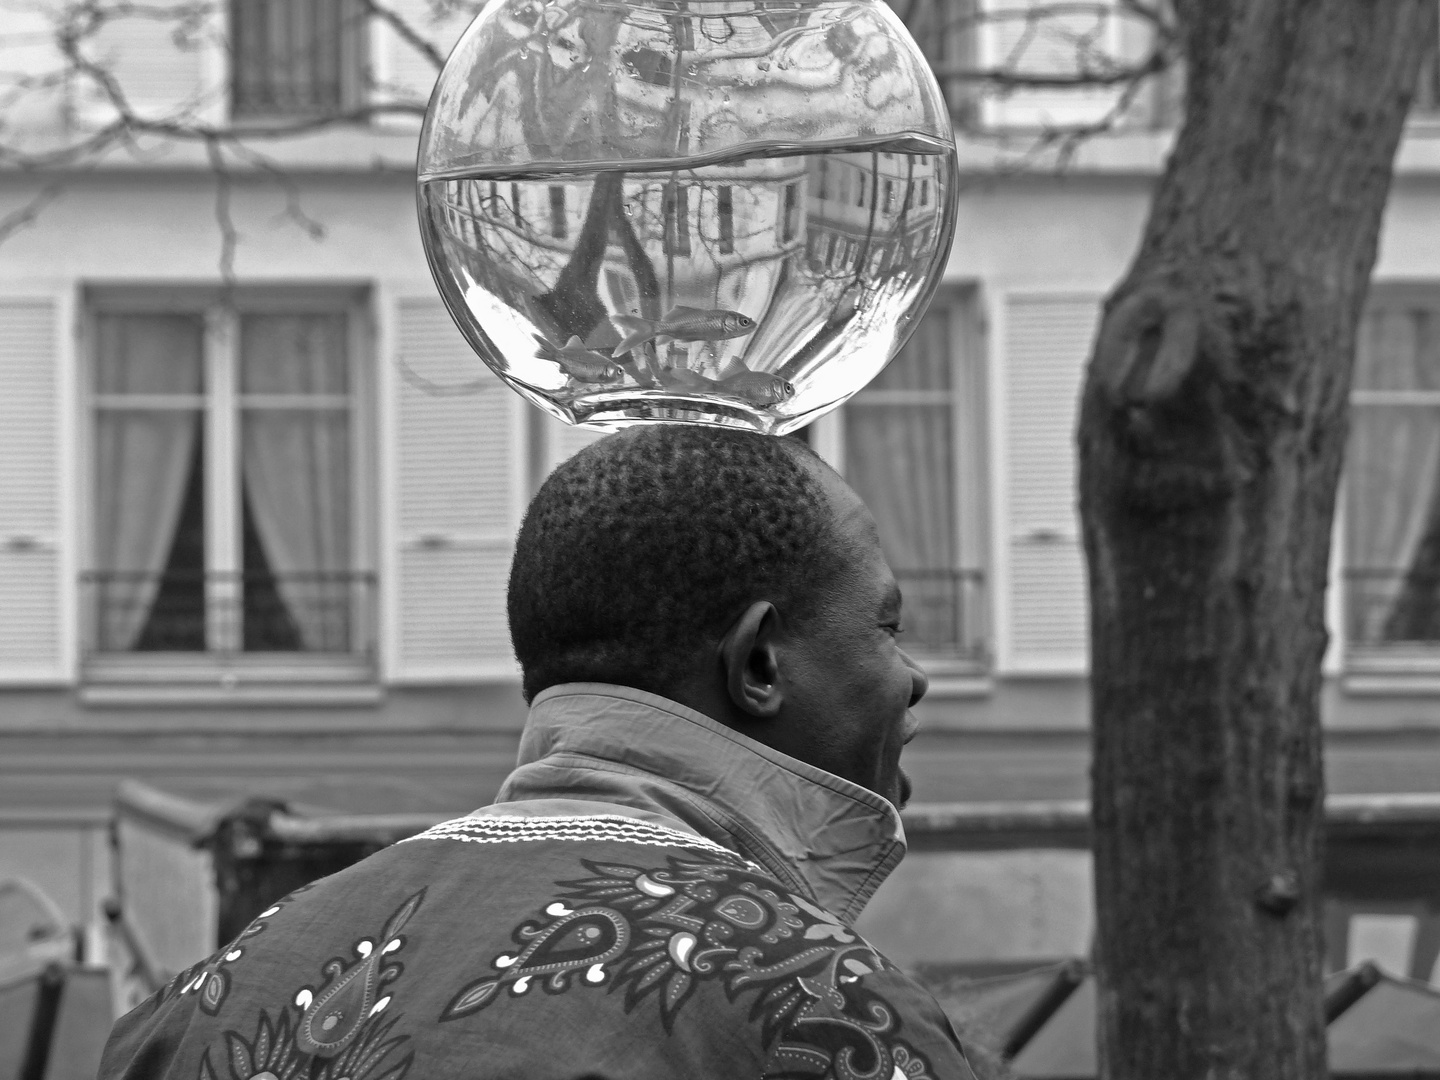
987	905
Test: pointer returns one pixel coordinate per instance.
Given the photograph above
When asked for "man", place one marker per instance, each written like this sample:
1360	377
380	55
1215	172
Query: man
706	798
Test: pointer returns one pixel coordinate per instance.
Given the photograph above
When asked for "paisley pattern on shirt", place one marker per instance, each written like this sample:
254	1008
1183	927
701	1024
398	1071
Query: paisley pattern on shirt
658	933
210	978
341	1028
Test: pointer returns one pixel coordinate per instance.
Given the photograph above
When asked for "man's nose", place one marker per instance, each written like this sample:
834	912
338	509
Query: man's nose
919	681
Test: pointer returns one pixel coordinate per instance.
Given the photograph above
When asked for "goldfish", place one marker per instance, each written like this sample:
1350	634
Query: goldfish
681	324
757	387
580	363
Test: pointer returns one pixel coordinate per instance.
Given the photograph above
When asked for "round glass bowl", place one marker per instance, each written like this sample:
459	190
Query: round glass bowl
714	211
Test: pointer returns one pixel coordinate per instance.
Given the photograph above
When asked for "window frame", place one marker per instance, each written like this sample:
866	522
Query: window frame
1369	667
221	407
353	71
970	462
1425	110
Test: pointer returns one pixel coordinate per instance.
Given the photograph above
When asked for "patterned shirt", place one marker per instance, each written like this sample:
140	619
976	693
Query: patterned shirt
562	938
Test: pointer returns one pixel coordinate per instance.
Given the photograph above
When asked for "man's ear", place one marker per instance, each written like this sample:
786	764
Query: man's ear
752	663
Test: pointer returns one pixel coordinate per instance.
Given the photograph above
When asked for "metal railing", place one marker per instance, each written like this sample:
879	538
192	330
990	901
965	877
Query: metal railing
239	612
945	613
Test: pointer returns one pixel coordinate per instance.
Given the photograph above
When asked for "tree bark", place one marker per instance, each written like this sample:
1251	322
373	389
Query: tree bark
1212	431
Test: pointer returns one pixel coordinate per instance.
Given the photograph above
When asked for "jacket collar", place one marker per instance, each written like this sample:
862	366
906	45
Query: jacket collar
818	833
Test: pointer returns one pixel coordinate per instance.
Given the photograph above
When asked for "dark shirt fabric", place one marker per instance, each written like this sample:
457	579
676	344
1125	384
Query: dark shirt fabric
652	897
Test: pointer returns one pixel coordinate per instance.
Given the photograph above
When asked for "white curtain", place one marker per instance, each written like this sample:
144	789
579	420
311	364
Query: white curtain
1393	464
900	459
143	459
296	468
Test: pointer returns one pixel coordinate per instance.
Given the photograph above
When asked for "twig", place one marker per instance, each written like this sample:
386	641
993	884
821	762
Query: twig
288	184
229	238
24	217
406	31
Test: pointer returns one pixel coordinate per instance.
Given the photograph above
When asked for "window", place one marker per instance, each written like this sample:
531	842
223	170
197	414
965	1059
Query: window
557	211
1427	91
677	219
790	216
946	35
725	206
225	461
296	57
912	449
1392	479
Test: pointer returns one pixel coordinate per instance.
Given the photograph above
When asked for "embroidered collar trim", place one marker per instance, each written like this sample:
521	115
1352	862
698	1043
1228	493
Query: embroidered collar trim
673	766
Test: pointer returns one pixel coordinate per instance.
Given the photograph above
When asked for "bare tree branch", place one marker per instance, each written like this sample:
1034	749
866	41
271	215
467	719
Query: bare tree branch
24	217
1076	27
294	211
407	32
229	237
1009	79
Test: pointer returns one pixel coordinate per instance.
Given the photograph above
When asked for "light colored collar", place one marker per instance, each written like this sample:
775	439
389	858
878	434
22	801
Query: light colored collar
664	762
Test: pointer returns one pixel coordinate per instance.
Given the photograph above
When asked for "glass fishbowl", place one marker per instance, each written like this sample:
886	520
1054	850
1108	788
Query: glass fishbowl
716	211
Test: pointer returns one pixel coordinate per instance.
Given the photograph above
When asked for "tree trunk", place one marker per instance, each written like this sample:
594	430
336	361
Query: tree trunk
1212	430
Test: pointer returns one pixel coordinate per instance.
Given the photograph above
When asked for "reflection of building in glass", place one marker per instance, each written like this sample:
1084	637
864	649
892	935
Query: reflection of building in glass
867	211
572	252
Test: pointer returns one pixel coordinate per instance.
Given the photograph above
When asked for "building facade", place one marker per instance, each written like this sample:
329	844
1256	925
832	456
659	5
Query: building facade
257	496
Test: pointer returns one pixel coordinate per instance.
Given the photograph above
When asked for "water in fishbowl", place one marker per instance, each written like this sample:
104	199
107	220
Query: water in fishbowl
754	290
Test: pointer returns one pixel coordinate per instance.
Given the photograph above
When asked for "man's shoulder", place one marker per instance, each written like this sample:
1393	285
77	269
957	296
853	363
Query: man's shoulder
580	936
696	940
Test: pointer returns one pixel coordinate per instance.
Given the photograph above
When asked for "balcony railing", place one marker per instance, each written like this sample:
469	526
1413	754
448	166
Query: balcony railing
945	613
228	613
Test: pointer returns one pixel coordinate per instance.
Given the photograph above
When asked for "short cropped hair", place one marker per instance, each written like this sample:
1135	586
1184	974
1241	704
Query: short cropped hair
645	547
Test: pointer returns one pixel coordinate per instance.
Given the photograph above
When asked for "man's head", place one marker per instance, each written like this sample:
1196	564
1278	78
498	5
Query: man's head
735	573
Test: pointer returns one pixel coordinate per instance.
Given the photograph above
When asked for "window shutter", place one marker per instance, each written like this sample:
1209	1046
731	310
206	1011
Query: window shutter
1035	37
163	65
402	72
1043	607
459	470
32	596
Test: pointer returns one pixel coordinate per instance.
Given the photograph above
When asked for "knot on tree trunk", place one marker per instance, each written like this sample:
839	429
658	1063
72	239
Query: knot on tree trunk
1155	396
1148	344
1279	895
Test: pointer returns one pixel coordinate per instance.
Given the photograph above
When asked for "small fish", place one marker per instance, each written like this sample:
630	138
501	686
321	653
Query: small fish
681	324
758	388
580	363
